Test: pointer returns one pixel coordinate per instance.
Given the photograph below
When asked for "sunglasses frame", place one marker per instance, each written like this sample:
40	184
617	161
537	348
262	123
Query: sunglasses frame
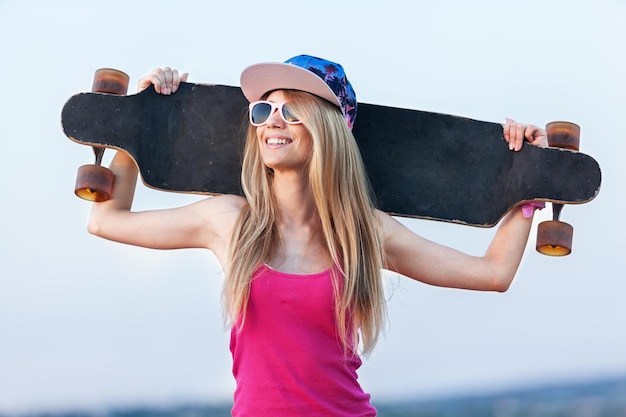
273	107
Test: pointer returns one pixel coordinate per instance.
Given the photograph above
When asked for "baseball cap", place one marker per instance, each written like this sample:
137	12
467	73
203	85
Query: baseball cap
325	79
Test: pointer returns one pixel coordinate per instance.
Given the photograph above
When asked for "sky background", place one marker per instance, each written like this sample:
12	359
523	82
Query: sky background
85	322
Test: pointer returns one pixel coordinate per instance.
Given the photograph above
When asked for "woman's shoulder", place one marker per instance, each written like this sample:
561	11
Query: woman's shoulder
233	201
223	205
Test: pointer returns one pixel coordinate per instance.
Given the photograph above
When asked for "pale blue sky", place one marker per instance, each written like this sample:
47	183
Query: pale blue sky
86	322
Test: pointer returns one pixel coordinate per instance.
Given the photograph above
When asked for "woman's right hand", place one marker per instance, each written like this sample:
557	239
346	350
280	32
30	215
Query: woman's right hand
165	80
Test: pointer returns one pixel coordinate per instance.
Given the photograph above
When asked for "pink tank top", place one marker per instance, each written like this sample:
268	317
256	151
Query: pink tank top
288	359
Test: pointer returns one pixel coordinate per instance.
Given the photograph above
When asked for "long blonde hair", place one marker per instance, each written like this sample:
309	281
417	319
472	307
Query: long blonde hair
351	234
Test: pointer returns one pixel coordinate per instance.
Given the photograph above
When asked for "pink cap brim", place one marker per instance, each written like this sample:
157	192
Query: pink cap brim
258	79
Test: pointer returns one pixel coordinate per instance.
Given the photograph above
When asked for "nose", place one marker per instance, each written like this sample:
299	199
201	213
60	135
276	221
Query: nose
275	119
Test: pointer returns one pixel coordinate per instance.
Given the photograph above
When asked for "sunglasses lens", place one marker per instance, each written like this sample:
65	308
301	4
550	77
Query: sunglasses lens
288	115
260	113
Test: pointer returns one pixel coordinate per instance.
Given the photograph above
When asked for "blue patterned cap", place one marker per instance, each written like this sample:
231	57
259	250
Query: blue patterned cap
318	76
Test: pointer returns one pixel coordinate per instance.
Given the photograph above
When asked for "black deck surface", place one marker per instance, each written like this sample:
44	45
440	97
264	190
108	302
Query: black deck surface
420	164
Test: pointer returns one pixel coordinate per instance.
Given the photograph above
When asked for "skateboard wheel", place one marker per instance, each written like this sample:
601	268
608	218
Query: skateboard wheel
563	135
94	183
111	81
554	238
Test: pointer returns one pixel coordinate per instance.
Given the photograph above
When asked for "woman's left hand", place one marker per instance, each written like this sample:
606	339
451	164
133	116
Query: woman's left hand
515	133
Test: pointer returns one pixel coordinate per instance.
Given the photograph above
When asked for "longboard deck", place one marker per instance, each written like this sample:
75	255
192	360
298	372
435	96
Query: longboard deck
420	164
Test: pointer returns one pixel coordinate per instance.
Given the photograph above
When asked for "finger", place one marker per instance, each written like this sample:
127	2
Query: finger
155	78
173	80
506	129
514	134
158	80
144	82
529	133
536	136
520	131
178	79
168	82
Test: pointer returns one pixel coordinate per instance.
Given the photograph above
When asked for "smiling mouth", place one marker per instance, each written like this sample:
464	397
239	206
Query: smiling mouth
278	141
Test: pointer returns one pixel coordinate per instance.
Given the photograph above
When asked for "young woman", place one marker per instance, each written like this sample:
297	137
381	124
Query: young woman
304	249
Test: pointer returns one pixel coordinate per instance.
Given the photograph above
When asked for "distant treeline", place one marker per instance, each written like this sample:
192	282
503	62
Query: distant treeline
598	399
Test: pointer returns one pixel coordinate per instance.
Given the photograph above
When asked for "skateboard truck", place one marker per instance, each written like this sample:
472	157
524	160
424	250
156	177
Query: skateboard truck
95	182
554	237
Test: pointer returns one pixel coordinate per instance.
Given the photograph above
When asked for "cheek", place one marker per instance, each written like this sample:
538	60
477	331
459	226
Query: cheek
305	142
302	134
307	151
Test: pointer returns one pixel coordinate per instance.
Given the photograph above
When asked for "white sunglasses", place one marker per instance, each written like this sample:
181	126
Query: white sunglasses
261	111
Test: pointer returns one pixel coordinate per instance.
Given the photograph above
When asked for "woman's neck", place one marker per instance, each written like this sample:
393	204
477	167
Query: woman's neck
295	201
302	248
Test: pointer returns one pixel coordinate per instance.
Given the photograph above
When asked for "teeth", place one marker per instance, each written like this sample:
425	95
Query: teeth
277	141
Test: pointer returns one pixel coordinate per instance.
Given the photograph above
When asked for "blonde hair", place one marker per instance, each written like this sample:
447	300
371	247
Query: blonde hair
343	199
